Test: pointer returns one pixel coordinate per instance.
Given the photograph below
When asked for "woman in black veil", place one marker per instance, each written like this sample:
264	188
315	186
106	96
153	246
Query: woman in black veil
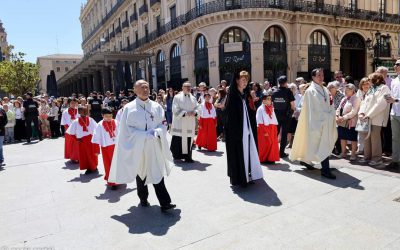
241	133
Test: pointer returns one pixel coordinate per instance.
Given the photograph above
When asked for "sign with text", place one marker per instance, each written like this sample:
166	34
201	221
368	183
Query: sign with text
233	47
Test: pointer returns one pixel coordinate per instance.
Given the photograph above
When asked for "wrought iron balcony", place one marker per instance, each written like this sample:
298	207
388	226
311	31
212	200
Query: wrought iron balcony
112	34
143	10
125	24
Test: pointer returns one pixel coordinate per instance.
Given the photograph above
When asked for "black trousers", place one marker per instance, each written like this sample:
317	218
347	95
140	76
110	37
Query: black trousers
54	128
176	148
325	165
161	191
284	123
28	121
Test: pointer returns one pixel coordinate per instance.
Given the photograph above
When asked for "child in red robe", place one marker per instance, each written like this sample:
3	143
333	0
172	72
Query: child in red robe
207	134
71	144
105	135
83	129
268	145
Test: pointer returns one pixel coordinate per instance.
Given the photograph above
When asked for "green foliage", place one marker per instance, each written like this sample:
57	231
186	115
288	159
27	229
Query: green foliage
17	76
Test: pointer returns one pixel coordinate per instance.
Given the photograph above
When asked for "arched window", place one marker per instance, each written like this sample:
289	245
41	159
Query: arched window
233	35
275	54
160	66
319	53
175	51
160	56
201	43
318	38
201	59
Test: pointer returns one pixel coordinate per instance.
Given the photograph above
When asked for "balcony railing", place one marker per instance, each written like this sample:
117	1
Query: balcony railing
143	9
118	29
125	24
288	5
133	17
112	34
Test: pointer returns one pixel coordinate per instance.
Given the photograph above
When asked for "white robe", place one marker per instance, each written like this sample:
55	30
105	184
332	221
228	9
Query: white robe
102	137
316	132
77	130
66	118
204	111
119	114
256	172
263	118
184	126
136	152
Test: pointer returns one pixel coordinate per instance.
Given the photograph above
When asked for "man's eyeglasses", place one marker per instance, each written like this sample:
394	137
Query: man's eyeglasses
397	64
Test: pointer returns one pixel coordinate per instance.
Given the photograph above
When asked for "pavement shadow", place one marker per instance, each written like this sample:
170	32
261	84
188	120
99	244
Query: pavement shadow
114	196
196	165
141	220
258	193
30	143
86	178
211	153
277	167
343	180
70	165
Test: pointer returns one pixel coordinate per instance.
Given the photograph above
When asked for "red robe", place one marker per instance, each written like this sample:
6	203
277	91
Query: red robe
268	145
71	147
88	153
207	134
107	153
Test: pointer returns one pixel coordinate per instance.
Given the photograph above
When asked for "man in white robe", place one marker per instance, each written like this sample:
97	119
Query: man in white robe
141	150
316	131
185	108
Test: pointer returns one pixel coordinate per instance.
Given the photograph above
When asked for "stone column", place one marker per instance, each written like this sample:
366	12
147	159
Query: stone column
89	84
106	79
257	62
96	81
213	65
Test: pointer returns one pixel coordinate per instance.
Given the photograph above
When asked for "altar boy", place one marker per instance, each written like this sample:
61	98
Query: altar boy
105	135
207	135
83	128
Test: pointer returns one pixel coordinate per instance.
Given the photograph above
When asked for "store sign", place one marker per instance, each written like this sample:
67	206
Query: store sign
233	47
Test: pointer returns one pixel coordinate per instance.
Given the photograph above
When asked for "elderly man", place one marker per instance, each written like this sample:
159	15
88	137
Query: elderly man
386	131
339	81
384	71
184	109
141	150
395	118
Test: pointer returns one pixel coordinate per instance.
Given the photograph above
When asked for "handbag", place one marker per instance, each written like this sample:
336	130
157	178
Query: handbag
363	126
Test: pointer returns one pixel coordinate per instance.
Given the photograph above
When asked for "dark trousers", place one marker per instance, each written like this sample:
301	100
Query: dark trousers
161	191
283	122
28	121
54	128
386	135
325	165
176	148
62	130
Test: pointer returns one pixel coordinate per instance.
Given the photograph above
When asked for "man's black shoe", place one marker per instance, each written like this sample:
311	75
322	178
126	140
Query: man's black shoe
168	207
393	165
189	160
284	155
144	203
88	171
115	187
328	175
308	166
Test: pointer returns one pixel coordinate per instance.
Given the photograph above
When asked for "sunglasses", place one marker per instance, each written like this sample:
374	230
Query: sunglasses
397	64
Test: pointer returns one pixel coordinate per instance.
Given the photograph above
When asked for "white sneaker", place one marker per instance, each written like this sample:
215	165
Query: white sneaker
375	163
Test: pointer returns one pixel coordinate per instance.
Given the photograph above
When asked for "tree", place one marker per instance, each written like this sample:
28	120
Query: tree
17	76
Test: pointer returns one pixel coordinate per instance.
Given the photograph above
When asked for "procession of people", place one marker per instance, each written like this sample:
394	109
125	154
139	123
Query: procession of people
261	124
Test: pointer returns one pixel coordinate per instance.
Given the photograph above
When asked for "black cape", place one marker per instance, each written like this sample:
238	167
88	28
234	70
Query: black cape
234	134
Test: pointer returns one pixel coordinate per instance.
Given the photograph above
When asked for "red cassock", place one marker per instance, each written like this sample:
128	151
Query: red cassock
71	146
268	145
88	153
107	153
207	134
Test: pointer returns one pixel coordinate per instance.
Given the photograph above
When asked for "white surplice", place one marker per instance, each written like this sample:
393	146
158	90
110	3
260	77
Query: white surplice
66	118
141	147
183	125
316	132
263	118
102	137
250	149
77	130
119	115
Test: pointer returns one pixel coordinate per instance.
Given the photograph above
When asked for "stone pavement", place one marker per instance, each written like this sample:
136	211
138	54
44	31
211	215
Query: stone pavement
47	202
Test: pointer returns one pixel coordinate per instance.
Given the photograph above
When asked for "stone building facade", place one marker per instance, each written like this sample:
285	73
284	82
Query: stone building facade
3	43
207	40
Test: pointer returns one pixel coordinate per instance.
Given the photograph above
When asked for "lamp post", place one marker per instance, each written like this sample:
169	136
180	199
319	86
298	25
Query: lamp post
380	42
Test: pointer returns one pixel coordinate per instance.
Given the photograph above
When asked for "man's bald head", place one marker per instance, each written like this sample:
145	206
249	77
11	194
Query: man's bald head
142	89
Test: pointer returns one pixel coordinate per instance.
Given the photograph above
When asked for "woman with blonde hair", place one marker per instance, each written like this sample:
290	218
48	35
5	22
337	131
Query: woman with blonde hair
374	110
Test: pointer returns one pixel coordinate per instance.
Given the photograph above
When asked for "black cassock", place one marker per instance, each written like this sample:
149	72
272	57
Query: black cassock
234	134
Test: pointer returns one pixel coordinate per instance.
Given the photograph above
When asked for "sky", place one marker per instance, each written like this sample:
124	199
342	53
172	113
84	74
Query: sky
42	27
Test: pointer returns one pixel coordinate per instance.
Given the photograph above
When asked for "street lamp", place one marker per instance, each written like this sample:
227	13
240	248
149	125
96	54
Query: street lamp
380	42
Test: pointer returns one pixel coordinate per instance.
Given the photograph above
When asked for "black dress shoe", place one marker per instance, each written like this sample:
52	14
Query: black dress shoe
308	166
189	160
168	207
115	187
393	165
269	162
284	155
328	175
88	171
144	203
252	182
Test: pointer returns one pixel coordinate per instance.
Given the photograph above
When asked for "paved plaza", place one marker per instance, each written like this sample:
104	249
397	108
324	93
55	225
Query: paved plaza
48	202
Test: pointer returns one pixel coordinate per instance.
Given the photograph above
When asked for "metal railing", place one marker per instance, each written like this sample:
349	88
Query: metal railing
125	24
153	2
118	29
133	17
288	5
